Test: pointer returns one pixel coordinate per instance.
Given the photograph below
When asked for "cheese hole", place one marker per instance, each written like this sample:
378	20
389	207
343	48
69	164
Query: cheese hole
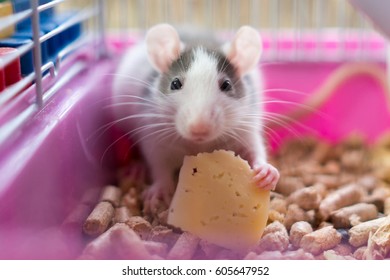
219	176
240	215
214	218
256	207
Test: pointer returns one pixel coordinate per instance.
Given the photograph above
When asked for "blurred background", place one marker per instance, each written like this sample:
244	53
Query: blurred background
229	13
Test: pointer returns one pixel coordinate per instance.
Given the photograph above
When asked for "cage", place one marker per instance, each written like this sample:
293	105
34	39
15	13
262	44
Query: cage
53	158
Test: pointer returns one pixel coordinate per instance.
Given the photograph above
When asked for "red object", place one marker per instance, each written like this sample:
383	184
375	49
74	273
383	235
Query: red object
12	72
2	80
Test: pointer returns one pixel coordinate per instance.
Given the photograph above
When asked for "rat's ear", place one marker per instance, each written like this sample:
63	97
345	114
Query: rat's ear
163	46
245	49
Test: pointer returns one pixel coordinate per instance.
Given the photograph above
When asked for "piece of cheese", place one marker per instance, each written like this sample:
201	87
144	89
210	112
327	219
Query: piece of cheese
217	200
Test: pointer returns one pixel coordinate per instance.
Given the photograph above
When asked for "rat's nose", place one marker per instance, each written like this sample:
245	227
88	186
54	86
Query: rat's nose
199	129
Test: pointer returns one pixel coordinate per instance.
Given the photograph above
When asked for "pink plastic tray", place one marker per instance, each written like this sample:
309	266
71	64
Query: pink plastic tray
53	164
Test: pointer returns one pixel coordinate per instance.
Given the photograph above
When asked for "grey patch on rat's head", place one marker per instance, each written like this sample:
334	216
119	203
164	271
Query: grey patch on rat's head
178	69
183	63
180	66
147	91
224	66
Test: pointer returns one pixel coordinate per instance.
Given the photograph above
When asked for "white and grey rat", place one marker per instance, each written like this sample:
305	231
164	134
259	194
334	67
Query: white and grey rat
179	96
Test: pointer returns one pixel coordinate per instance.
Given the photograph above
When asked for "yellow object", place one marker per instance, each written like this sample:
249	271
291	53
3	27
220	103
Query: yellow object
6	10
217	200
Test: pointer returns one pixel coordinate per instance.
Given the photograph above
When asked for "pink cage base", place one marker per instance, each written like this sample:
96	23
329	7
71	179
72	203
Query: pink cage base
52	165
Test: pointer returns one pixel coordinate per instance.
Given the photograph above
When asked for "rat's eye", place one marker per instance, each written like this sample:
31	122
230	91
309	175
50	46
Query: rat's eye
226	85
176	84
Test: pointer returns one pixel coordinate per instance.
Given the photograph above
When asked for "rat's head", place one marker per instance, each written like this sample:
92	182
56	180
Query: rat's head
205	85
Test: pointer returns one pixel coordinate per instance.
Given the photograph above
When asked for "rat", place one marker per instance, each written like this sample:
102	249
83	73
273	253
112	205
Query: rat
182	94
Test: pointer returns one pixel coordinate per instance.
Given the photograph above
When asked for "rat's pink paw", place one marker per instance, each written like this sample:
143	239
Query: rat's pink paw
157	196
266	176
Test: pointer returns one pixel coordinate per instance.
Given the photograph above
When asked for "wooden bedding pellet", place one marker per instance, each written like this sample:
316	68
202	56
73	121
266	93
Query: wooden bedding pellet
359	253
378	197
322	152
275	238
324	224
332	167
333	255
127	244
344	196
163	234
380	240
279	205
133	177
354	160
386	207
320	240
184	248
299	254
156	248
343	249
275	216
307	198
330	181
111	194
226	254
210	250
368	182
374	252
358	235
288	185
99	219
351	215
276	255
141	226
295	214
162	217
273	227
103	246
266	255
299	230
98	249
130	201
122	215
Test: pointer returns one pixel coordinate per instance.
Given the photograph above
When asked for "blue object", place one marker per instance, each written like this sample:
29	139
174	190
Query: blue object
48	21
54	44
22	5
63	39
73	32
26	61
28	34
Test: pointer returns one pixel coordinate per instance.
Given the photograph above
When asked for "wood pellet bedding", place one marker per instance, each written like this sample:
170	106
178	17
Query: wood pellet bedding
332	202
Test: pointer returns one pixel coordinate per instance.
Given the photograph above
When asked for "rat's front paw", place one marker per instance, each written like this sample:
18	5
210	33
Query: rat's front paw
157	196
266	176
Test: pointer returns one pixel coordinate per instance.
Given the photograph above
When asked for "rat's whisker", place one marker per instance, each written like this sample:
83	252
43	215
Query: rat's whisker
151	134
286	90
104	128
287	121
280	123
